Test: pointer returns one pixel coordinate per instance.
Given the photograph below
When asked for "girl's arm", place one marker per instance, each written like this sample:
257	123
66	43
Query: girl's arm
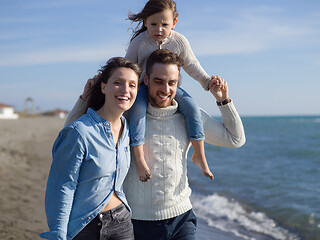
191	63
68	152
132	51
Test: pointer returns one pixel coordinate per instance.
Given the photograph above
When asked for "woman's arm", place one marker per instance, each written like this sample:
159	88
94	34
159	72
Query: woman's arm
68	152
81	107
77	111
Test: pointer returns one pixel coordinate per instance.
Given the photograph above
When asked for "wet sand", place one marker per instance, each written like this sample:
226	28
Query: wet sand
25	158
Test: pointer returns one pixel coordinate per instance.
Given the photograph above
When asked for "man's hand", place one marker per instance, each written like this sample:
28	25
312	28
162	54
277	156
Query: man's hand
219	88
87	88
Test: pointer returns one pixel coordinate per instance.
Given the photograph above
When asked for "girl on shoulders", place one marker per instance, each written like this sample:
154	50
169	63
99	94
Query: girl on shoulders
154	31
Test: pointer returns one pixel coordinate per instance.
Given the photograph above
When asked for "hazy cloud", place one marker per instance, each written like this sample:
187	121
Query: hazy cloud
253	30
78	54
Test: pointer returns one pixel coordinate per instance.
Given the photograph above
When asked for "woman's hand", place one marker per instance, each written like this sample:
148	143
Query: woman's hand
87	88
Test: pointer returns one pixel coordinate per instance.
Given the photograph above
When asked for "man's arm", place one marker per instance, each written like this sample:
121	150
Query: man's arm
230	132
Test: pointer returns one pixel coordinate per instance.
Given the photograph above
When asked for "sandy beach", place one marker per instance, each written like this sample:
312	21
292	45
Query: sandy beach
25	158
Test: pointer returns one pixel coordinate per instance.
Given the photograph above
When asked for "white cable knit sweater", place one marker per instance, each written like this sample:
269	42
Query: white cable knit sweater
142	46
167	193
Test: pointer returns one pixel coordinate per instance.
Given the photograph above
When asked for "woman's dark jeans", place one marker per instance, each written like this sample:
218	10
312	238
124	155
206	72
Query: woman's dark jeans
114	224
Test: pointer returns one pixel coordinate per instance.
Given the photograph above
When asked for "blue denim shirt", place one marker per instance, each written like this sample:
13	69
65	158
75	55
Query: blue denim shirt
87	168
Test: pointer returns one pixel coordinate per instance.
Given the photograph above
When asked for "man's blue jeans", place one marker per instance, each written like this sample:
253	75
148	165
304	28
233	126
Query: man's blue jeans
182	227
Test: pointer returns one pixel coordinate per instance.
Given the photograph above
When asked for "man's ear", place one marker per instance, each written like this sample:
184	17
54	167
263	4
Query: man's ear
174	23
103	87
146	80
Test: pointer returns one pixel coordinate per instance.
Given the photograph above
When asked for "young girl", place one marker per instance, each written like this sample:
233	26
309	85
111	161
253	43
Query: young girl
91	158
157	21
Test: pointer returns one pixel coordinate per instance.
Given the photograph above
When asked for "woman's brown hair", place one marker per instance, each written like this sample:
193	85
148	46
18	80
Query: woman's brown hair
96	97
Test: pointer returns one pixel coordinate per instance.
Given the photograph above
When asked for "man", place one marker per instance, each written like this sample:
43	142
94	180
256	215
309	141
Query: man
161	207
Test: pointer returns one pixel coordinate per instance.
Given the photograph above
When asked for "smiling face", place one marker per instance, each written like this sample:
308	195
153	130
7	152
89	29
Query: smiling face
160	24
120	90
162	84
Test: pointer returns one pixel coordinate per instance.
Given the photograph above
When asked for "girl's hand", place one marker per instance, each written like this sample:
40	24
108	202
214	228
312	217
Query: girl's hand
215	83
219	88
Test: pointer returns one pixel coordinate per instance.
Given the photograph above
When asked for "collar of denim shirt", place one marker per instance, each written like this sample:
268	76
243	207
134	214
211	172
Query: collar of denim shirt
100	120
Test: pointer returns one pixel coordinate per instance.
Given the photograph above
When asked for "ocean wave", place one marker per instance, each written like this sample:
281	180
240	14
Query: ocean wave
306	119
230	216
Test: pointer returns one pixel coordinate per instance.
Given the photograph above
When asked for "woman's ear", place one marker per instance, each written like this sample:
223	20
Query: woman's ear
103	87
174	23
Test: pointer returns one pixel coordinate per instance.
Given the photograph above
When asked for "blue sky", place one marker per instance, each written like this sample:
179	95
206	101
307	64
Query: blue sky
267	50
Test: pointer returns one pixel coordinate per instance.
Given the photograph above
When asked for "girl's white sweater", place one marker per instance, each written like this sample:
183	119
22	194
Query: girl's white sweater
142	46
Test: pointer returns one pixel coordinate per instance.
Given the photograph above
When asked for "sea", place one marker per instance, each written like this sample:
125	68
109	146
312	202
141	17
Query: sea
267	189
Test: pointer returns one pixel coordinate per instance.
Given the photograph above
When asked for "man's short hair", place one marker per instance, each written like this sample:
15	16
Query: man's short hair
164	56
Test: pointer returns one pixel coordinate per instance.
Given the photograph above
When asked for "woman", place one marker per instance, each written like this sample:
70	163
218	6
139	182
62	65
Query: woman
91	157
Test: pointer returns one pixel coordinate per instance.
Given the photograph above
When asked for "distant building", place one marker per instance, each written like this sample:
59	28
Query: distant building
7	112
56	113
60	113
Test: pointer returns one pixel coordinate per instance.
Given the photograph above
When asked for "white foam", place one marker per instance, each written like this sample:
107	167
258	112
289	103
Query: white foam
230	216
317	120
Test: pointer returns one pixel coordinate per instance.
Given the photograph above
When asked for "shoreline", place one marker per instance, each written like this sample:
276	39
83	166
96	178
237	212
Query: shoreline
203	231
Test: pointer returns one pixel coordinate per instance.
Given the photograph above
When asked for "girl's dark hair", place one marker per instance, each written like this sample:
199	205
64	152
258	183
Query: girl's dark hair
164	56
96	97
151	7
